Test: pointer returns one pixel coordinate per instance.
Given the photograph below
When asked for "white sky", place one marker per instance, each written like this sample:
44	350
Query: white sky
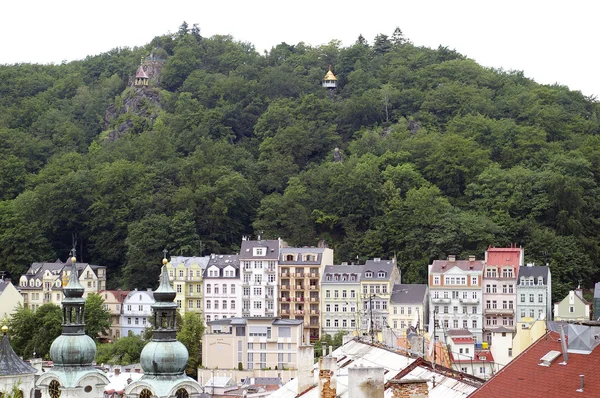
551	41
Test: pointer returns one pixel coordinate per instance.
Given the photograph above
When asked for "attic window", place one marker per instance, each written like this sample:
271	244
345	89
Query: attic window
328	277
368	274
352	278
482	357
336	277
381	274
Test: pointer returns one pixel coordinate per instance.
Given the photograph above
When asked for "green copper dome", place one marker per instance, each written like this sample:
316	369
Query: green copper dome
73	350
164	358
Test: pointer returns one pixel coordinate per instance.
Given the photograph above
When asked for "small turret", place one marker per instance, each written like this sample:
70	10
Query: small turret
141	78
330	81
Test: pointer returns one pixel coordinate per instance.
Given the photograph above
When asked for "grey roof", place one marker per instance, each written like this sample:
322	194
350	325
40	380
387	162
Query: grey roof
288	322
272	247
597	290
10	363
222	261
263	381
409	294
301	250
535	272
3	285
188	261
466	265
332	270
377	265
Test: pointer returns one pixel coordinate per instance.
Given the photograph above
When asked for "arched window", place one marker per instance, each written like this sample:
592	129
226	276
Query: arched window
182	393
54	389
145	393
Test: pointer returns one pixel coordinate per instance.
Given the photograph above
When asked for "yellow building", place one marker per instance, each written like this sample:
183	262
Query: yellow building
528	331
185	273
376	284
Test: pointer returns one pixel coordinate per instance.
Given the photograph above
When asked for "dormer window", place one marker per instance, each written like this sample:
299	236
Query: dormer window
328	277
336	277
507	272
381	274
540	281
289	257
344	277
352	278
259	251
368	274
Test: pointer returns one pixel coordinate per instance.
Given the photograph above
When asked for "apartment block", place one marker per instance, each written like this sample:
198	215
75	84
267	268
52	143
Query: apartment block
534	293
500	288
408	307
341	298
377	280
258	264
137	311
185	273
252	343
300	271
455	296
222	288
113	303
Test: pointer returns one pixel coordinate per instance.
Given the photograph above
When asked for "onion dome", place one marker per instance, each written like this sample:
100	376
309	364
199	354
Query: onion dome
164	355
73	350
10	363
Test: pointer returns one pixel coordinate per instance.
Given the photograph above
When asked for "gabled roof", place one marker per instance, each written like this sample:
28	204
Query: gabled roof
408	294
524	377
504	256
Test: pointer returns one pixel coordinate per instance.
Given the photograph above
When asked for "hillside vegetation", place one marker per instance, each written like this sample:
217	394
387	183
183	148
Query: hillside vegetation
440	155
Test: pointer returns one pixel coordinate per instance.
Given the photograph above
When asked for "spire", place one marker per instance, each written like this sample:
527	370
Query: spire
164	308
73	288
73	303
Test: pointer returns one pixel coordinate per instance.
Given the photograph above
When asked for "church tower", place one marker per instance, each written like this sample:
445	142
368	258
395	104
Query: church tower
73	352
164	358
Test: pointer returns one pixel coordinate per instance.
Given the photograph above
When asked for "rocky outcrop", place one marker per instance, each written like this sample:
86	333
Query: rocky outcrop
141	101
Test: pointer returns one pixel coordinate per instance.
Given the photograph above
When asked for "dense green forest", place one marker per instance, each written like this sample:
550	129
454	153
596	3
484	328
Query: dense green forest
440	155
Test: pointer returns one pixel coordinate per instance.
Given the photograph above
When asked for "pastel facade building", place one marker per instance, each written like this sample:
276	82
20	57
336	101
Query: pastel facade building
572	308
10	299
136	312
255	343
113	303
500	288
534	293
468	356
341	298
409	304
377	280
258	269
222	288
185	273
300	272
455	296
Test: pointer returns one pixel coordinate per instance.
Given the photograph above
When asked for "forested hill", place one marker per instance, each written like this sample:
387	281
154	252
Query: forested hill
440	155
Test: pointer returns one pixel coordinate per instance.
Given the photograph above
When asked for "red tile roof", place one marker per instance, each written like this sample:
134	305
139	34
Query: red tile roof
463	340
504	256
141	73
480	357
524	377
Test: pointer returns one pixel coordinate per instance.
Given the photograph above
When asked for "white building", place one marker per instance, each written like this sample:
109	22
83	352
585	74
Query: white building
534	293
136	312
409	305
341	298
258	268
222	288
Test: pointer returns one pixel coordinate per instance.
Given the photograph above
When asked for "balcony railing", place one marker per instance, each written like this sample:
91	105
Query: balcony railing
440	300
285	299
285	312
285	287
299	312
314	299
501	311
314	312
313	287
469	300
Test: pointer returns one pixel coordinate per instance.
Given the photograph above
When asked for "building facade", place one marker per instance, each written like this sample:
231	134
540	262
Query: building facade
573	308
408	307
500	288
455	296
10	298
185	273
376	283
113	303
534	293
136	312
222	288
300	271
252	343
258	269
341	298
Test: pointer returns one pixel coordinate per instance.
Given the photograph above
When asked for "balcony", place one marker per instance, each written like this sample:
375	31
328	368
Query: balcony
285	299
299	299
314	312
270	270
469	301
440	300
285	312
269	297
314	275
248	270
299	287
245	312
285	287
314	299
299	312
284	274
500	311
313	287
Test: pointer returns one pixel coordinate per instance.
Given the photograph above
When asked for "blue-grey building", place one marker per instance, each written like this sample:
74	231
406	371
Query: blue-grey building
534	297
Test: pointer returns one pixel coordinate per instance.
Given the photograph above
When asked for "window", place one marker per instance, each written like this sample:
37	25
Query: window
257	291
129	321
257	305
191	304
531	298
522	297
198	303
336	308
208	304
216	304
232	306
208	289
473	281
328	323
327	294
336	294
474	325
465	324
474	310
198	288
328	307
368	274
482	368
381	274
232	289
352	294
571	309
336	323
510	352
436	280
178	288
344	323
540	298
344	293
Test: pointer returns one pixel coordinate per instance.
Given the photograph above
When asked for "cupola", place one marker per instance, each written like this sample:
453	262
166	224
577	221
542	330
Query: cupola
330	81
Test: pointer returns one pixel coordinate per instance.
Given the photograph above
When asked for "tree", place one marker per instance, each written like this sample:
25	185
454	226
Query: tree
97	319
190	336
33	332
398	37
124	351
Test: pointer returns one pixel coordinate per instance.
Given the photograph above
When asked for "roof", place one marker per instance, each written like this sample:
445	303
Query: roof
189	261
340	270
272	247
141	73
479	356
3	285
10	363
535	272
329	75
459	332
222	261
504	256
463	340
440	266
301	250
409	294
377	265
524	377
448	383
220	382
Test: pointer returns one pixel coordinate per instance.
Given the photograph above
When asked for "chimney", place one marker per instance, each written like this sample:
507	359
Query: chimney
117	371
305	359
563	345
471	258
581	377
411	388
365	382
452	258
327	377
330	350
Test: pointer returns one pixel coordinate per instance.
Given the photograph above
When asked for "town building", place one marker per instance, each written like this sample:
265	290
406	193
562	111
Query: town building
501	269
13	370
363	370
377	280
341	298
137	309
186	275
468	356
553	366
300	271
409	307
164	358
534	293
573	308
43	283
222	288
113	303
455	296
252	343
597	302
73	352
258	264
10	298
